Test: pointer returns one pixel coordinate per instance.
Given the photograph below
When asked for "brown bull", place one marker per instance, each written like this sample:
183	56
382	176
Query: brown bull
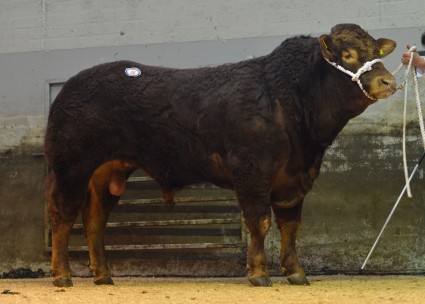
260	127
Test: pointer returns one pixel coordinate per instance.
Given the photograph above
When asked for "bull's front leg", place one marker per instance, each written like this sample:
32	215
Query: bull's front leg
288	221
257	214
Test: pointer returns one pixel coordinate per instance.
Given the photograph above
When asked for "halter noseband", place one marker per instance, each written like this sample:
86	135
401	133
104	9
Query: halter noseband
356	76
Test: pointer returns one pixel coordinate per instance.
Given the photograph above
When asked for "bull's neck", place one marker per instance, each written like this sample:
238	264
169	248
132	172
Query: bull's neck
316	97
335	100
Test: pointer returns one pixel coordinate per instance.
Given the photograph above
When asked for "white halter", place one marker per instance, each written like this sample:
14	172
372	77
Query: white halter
356	77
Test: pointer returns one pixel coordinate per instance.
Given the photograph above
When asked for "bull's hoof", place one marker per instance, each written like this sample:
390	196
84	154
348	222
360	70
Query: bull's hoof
298	279
261	281
104	280
63	282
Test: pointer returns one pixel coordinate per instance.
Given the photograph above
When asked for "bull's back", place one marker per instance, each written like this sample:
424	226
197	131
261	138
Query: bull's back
109	89
159	115
105	99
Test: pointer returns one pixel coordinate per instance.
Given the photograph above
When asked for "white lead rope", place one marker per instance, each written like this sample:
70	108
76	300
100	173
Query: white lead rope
404	85
405	82
421	124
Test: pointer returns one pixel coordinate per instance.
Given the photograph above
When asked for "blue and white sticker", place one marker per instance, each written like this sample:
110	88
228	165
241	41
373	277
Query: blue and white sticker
133	72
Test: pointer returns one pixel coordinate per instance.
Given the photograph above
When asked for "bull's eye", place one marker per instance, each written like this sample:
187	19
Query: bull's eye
347	56
350	56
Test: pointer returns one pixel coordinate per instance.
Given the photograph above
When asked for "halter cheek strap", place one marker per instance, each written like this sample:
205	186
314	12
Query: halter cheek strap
356	76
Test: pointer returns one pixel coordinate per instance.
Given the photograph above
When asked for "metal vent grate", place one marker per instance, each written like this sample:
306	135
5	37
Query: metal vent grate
204	218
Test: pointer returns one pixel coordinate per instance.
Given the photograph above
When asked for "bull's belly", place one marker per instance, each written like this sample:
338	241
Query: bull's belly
291	192
178	177
186	178
288	203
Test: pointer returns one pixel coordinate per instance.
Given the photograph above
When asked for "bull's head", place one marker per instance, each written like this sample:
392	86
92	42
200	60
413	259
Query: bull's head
352	49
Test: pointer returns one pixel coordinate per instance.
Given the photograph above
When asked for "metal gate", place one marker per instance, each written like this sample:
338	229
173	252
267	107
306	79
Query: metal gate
204	217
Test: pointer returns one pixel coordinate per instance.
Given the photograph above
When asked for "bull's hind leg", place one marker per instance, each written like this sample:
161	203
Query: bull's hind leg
95	216
63	210
257	214
288	222
105	187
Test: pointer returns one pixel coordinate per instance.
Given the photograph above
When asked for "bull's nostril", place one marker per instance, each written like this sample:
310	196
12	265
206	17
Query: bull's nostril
385	81
390	83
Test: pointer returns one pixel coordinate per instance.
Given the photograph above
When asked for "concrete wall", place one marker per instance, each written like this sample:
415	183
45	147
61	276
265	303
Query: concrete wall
28	25
45	41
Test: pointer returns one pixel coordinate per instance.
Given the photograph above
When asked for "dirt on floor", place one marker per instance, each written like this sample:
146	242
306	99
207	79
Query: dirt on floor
323	289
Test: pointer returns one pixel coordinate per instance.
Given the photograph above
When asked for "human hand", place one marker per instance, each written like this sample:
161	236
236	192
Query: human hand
405	57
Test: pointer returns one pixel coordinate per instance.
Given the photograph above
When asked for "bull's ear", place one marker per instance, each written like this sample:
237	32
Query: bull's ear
386	46
326	47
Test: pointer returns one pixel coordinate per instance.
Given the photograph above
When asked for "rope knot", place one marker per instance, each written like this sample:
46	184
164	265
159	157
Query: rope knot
365	68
